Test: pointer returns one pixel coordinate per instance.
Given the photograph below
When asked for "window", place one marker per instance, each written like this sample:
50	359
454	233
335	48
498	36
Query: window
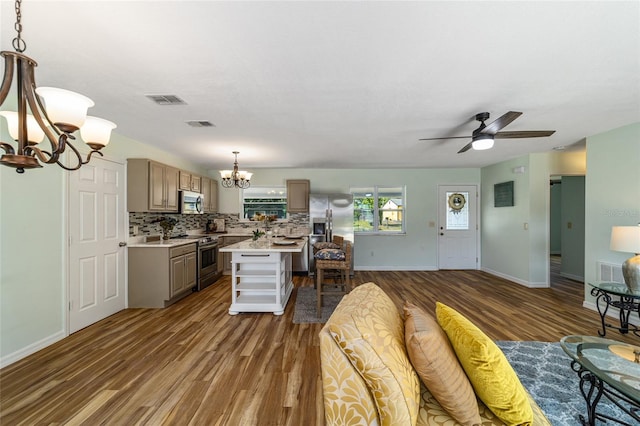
265	201
378	209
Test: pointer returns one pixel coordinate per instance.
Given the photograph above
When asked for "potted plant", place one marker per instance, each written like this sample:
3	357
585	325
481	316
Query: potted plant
167	224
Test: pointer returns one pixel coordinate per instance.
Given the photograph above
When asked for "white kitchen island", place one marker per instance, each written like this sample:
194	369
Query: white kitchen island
261	274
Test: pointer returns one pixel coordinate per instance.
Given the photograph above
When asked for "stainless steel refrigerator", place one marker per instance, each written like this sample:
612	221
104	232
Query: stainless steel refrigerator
330	214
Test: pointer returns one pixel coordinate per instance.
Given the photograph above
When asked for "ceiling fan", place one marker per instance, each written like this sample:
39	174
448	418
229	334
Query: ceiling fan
483	136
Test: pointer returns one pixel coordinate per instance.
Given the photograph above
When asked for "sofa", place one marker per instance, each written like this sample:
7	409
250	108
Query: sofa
381	366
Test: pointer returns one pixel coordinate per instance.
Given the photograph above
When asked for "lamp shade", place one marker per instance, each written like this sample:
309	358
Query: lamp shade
625	239
96	131
482	142
225	174
34	133
64	107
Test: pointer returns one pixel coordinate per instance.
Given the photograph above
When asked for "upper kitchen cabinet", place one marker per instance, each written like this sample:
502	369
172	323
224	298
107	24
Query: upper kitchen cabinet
210	192
298	196
151	186
190	182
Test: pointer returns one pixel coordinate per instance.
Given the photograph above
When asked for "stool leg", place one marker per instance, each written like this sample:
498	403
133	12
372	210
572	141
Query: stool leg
319	277
347	280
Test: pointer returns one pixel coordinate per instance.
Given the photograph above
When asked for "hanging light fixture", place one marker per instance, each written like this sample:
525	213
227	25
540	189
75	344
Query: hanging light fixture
44	111
235	178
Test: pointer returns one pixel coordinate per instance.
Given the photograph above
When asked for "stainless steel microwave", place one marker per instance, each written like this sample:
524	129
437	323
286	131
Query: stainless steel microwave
191	202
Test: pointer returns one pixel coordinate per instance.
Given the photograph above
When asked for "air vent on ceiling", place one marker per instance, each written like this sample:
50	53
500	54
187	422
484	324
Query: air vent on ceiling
200	123
166	99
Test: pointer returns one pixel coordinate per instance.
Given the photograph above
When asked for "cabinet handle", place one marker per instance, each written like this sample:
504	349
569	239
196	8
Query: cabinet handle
255	255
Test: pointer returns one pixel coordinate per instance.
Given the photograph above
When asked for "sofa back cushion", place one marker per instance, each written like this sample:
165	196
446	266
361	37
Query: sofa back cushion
370	332
493	379
435	361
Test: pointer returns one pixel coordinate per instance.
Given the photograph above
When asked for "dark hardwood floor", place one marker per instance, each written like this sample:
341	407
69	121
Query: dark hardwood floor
192	363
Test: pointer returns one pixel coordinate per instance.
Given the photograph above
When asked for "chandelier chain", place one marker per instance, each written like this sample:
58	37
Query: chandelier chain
18	43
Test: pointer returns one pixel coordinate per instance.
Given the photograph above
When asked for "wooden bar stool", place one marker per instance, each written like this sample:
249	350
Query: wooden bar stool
333	259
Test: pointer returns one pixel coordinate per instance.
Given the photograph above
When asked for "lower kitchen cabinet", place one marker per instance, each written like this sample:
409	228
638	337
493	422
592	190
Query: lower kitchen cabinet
160	276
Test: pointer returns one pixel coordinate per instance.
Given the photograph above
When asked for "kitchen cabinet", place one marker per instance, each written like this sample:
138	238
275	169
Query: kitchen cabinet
298	196
210	192
224	259
190	182
151	186
161	275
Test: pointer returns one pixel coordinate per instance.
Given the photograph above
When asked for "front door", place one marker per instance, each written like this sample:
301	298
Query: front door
458	227
96	229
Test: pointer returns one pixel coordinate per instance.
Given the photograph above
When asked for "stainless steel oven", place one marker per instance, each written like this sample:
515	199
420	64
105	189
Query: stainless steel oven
208	272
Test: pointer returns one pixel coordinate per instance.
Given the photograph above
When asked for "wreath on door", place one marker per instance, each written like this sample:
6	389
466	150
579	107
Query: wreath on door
456	202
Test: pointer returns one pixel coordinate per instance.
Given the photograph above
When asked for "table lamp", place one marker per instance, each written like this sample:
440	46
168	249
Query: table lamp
627	239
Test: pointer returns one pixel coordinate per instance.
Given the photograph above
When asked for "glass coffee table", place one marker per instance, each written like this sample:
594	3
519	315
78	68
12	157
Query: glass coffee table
607	369
620	297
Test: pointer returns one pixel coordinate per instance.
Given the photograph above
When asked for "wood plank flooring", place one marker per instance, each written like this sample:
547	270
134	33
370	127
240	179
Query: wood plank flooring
193	364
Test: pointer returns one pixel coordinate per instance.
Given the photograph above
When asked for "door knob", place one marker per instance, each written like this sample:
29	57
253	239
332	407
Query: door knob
122	244
442	233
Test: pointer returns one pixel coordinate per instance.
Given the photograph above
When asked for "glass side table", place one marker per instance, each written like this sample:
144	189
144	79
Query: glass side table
620	297
607	369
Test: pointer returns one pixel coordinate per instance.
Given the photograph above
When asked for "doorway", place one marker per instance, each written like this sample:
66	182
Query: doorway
97	236
458	227
567	226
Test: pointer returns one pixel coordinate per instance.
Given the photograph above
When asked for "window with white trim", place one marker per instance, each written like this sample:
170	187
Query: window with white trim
379	209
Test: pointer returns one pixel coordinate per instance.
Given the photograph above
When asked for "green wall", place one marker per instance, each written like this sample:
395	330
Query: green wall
515	240
612	195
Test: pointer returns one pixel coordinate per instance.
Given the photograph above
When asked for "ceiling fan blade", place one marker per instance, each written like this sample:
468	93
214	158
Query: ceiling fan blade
446	137
466	148
501	123
524	134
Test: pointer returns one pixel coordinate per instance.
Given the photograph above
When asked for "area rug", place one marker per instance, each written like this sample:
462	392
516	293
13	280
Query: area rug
305	308
545	371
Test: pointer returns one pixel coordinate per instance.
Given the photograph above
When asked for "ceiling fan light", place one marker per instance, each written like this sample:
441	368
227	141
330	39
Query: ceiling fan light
96	132
482	142
35	134
64	107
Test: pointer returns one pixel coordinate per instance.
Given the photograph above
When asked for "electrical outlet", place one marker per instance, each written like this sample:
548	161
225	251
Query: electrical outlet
135	229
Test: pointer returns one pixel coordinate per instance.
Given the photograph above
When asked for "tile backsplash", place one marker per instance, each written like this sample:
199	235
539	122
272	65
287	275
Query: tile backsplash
147	223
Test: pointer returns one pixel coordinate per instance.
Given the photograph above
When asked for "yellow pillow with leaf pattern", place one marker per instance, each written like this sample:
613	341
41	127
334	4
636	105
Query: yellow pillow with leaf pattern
492	377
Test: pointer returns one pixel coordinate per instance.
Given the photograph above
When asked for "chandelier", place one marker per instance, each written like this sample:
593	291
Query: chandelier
44	111
234	178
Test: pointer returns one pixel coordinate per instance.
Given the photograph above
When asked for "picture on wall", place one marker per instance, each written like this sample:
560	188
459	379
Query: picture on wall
503	194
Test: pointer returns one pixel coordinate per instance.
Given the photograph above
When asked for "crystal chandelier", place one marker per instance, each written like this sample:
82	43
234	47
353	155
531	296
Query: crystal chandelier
44	111
234	178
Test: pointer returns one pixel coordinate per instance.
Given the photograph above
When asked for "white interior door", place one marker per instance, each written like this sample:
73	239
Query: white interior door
458	227
96	229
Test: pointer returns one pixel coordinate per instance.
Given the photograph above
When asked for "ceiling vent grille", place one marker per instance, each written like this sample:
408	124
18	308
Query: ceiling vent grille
200	123
166	99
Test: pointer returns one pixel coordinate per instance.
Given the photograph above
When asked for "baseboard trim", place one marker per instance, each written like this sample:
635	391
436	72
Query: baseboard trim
31	349
516	280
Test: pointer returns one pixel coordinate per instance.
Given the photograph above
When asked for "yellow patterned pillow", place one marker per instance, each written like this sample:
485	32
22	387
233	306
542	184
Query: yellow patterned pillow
435	361
491	375
370	332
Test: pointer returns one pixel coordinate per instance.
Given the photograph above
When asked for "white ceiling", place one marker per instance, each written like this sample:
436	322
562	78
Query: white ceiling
341	84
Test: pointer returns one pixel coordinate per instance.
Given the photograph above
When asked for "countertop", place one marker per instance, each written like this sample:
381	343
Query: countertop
163	243
263	246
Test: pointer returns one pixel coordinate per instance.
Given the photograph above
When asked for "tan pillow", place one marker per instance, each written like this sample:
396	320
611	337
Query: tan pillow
370	332
492	377
435	361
